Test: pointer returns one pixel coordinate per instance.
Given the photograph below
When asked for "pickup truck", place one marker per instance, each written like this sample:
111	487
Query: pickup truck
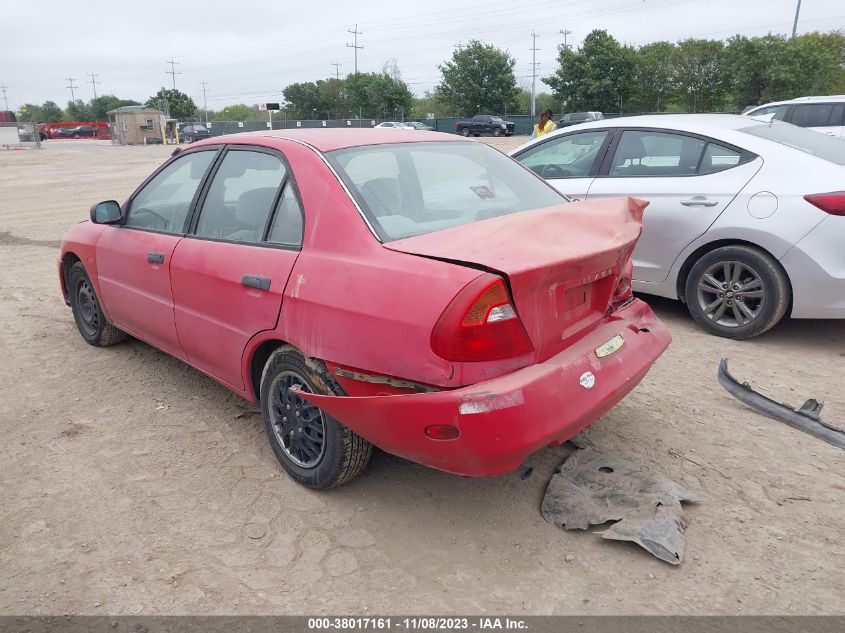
484	124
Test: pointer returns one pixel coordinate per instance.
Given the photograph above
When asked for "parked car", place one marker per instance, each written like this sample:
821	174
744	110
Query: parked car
574	118
61	132
82	131
419	126
194	132
466	303
396	125
746	219
820	114
484	124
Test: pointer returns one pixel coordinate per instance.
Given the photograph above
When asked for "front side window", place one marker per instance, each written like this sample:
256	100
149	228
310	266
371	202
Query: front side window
241	197
646	153
570	156
410	189
164	202
779	111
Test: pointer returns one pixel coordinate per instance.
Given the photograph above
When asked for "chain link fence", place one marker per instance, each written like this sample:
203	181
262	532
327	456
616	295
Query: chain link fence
20	135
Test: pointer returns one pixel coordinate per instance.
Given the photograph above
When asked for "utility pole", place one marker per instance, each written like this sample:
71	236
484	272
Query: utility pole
94	82
534	65
337	66
355	33
459	46
204	102
70	85
566	33
173	72
4	88
795	23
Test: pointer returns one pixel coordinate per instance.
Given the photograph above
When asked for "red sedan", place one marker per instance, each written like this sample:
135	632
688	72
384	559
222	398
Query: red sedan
408	290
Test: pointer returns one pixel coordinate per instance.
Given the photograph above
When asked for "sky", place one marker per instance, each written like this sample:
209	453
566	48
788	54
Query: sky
248	51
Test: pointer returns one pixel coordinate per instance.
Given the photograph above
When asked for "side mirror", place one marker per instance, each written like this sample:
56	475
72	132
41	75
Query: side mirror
107	212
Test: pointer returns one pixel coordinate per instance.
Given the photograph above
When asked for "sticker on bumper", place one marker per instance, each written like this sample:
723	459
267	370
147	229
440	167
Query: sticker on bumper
587	380
609	347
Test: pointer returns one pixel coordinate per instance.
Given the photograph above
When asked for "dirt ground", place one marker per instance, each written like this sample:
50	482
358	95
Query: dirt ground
130	483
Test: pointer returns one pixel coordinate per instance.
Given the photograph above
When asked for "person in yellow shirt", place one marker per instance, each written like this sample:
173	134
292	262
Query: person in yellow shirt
546	124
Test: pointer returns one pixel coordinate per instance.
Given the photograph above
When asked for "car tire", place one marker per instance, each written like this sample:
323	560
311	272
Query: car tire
321	453
89	317
737	292
497	131
476	135
465	132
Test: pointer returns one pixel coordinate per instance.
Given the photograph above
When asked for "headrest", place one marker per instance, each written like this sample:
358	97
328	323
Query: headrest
630	147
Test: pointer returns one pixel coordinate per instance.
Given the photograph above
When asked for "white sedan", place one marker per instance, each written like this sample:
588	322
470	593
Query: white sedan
392	124
746	216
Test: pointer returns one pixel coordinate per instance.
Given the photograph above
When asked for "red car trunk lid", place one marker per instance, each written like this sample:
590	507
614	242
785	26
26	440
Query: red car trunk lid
562	263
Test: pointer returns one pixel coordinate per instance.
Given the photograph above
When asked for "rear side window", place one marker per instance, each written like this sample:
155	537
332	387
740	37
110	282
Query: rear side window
814	115
646	153
164	202
241	196
287	222
718	158
570	156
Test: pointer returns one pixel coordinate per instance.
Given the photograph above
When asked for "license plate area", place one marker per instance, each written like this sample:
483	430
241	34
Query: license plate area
610	347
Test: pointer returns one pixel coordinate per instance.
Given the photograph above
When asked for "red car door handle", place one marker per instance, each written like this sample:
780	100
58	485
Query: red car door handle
253	281
155	258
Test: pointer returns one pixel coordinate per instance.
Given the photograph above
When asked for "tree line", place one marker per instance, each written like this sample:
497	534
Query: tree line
693	75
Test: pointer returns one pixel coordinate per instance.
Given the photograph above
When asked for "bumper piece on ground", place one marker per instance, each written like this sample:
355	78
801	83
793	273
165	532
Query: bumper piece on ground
592	488
806	418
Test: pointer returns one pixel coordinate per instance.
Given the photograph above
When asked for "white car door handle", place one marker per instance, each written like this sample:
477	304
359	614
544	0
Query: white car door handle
699	201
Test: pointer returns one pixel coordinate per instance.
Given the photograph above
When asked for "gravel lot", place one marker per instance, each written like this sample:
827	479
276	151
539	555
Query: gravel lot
130	483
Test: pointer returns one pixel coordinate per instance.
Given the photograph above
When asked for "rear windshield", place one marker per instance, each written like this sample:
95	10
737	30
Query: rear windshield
410	189
827	147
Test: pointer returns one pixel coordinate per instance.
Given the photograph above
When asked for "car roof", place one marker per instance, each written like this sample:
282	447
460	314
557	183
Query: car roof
327	140
815	99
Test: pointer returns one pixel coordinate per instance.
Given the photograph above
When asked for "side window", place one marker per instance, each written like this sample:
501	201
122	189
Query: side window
163	204
644	153
241	196
718	158
287	223
569	156
812	115
779	111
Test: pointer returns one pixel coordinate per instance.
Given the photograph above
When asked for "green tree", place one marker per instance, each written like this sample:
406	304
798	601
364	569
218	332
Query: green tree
479	78
653	77
332	93
304	99
100	106
78	111
235	112
701	84
378	95
172	101
48	112
599	76
543	101
429	104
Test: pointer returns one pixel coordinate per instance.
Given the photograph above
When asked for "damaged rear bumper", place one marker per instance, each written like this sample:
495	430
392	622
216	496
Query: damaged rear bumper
500	422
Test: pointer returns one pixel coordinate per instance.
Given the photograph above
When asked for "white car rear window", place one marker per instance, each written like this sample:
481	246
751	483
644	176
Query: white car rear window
817	144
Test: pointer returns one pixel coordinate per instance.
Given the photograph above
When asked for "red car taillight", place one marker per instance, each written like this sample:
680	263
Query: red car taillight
480	324
623	290
833	202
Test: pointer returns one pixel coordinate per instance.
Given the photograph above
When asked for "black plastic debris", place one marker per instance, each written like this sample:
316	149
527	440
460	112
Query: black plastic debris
593	488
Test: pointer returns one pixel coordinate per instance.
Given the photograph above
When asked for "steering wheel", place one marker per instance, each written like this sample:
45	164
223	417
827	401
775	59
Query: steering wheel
555	171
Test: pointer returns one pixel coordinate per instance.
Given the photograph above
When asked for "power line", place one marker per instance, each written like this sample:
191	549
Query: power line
70	85
534	65
337	66
4	88
355	33
204	102
173	72
94	82
795	23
